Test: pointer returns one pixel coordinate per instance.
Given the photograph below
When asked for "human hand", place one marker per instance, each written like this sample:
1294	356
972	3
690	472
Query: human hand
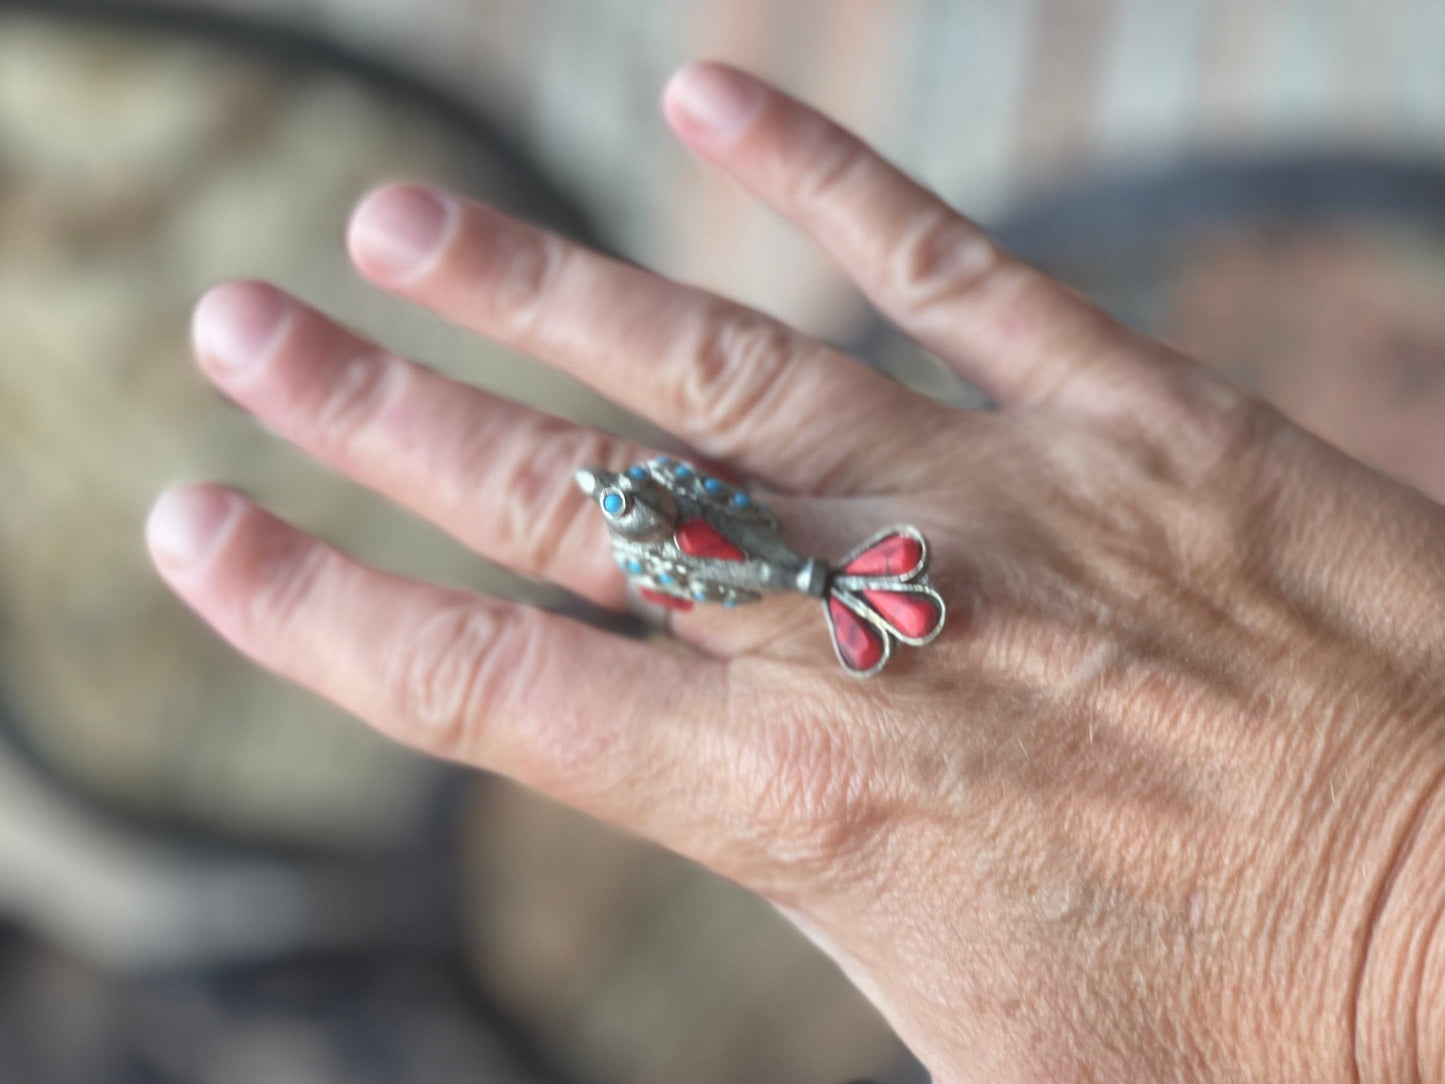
1163	802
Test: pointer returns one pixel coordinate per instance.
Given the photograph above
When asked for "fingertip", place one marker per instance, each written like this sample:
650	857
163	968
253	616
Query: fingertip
398	231
187	524
236	325
712	104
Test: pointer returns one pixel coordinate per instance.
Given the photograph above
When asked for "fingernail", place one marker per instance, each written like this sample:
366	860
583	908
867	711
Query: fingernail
185	523
718	103
235	325
397	232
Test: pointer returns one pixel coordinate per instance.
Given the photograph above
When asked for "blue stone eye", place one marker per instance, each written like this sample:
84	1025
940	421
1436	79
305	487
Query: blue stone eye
612	503
699	593
741	499
665	578
684	471
712	485
634	565
638	473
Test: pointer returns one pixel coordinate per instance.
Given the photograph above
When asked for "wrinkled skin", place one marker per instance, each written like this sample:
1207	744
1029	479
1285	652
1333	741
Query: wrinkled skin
1164	802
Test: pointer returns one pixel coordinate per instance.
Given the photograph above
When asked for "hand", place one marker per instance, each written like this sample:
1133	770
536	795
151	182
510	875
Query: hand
1164	802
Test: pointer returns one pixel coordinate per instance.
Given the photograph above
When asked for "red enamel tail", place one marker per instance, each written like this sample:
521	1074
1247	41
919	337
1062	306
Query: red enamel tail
880	593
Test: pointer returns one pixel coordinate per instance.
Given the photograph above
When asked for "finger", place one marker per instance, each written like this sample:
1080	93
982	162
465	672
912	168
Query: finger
1020	336
736	385
588	717
495	474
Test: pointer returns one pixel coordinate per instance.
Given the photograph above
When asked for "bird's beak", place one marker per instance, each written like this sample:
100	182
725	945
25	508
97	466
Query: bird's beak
589	481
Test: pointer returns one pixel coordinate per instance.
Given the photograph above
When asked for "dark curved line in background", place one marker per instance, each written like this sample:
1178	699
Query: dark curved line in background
1113	212
1110	212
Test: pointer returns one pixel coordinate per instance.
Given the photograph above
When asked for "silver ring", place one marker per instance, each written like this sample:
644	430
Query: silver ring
683	536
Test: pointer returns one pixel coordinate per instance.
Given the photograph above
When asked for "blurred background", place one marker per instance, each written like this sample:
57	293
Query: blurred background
206	876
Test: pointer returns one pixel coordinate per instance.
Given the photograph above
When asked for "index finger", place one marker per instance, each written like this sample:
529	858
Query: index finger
1019	335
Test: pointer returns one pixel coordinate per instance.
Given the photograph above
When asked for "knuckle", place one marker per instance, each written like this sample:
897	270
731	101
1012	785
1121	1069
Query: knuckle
522	267
941	259
1231	420
446	674
285	582
834	162
737	362
1210	425
349	405
541	501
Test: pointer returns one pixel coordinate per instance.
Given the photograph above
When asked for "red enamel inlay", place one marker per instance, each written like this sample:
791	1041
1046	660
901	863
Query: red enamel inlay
672	602
914	615
859	643
699	538
896	555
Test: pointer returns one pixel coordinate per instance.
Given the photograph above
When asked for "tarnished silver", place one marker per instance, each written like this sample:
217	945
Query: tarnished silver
683	536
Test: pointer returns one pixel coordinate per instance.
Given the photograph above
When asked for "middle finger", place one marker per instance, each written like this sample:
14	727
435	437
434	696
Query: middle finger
735	384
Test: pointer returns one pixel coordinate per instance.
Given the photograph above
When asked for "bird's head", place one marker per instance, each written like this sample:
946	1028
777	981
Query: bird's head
636	506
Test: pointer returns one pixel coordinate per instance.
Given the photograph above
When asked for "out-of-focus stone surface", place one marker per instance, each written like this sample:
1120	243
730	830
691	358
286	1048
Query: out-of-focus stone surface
335	1021
632	964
